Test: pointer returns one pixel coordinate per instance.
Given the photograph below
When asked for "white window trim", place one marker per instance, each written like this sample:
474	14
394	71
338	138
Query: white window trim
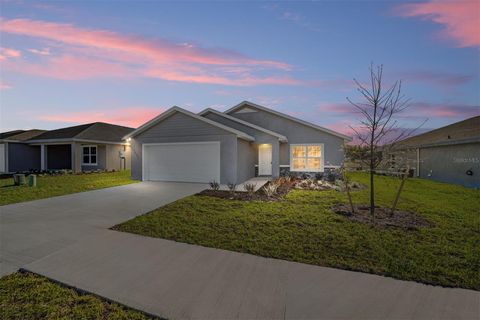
322	158
90	155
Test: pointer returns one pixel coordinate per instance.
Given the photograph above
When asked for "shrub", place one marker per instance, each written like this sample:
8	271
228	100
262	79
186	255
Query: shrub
214	185
232	187
250	188
271	189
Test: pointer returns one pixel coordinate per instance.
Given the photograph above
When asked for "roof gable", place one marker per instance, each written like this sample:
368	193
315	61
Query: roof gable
249	105
176	109
281	137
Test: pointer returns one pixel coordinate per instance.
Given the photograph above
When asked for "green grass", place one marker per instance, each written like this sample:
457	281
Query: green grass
303	228
27	296
51	186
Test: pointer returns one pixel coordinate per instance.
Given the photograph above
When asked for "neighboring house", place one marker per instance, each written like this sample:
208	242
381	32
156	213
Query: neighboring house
245	141
448	154
88	147
15	154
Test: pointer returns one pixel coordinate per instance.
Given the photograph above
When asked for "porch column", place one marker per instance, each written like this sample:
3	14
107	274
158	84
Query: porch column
72	156
275	159
43	157
77	157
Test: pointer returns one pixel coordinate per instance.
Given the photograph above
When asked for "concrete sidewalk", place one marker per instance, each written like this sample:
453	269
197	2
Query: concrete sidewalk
182	281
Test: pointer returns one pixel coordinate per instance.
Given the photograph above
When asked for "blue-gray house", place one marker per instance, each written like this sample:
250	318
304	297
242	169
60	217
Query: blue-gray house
233	146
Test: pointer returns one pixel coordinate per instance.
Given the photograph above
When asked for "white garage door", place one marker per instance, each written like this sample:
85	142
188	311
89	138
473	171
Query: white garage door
185	162
2	157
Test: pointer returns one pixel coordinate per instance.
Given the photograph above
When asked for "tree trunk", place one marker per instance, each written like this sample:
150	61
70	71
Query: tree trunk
372	188
404	178
347	188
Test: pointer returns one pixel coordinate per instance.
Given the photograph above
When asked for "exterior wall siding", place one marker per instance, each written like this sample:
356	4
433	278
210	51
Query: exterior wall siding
181	128
113	160
22	157
296	133
247	158
451	163
260	137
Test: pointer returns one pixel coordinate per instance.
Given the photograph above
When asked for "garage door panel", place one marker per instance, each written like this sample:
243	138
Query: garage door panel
186	162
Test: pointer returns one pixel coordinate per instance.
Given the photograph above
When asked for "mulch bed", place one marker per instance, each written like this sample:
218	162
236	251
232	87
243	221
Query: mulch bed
259	195
383	217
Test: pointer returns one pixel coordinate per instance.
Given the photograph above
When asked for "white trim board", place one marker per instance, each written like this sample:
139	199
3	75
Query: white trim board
174	109
280	137
286	116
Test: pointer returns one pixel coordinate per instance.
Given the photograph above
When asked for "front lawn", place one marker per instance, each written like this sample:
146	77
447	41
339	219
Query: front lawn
51	186
28	296
303	228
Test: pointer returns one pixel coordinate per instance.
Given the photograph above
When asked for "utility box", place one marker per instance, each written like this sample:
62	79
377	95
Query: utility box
32	180
19	179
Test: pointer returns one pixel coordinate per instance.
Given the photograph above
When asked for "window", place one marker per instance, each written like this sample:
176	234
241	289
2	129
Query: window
89	155
306	157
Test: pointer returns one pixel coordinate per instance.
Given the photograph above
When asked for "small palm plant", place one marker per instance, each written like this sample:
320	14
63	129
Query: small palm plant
250	188
271	189
232	186
214	185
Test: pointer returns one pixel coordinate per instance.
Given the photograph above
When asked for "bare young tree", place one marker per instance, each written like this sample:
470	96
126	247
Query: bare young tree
378	126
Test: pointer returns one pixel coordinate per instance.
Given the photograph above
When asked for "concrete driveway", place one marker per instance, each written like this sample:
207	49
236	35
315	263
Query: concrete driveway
32	230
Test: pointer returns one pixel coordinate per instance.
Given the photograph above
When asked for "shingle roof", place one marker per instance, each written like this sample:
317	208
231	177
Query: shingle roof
21	135
92	131
8	134
459	131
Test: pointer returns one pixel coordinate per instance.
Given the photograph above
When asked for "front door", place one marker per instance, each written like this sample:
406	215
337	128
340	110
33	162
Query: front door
265	160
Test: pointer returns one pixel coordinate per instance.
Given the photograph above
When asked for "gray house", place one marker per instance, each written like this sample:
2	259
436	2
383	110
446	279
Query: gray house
245	141
447	154
16	154
88	147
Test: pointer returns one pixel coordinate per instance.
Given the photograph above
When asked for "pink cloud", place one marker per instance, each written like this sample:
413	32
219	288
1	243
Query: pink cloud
72	68
4	85
440	110
42	52
130	117
460	18
113	54
437	78
416	110
6	53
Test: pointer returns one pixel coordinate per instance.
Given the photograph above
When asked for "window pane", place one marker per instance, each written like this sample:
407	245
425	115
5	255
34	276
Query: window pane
313	163
314	151
93	159
298	163
86	159
93	150
85	150
299	151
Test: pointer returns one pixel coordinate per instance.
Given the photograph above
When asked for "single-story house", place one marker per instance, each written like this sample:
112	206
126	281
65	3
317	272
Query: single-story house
17	155
448	154
87	147
231	147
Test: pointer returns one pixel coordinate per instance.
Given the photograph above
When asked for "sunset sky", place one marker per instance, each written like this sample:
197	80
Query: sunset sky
67	63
